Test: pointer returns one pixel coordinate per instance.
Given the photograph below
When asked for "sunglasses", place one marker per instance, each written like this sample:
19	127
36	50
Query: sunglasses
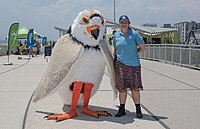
123	22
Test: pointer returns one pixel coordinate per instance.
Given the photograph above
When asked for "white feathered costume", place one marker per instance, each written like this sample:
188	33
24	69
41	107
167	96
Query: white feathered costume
77	65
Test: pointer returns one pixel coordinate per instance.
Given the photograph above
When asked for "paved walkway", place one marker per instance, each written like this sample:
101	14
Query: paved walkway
170	99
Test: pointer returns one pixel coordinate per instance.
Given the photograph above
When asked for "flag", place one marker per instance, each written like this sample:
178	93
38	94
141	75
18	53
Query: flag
30	38
12	39
44	41
13	35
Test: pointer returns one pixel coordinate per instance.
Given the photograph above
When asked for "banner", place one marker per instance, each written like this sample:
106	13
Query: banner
30	38
44	41
13	35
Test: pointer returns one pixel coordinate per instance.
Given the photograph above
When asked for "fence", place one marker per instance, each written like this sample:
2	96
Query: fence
4	48
183	55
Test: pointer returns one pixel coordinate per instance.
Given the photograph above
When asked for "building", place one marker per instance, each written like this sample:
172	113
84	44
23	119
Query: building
181	26
158	35
151	35
197	35
167	26
185	29
150	24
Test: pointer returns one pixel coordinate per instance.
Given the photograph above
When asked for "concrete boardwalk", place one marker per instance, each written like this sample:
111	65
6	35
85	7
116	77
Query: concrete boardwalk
171	99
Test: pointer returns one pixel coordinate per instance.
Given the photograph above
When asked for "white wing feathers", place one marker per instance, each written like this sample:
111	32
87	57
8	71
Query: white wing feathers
65	53
109	63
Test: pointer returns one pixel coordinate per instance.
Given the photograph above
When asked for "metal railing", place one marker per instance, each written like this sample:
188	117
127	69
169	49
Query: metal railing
4	48
183	55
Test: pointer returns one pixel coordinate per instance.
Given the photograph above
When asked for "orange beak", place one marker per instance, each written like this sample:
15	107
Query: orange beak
93	31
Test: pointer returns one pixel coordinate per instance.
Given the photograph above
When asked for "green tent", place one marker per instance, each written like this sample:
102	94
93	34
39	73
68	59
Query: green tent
23	32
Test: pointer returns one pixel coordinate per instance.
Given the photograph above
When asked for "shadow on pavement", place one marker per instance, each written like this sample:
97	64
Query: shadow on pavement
129	118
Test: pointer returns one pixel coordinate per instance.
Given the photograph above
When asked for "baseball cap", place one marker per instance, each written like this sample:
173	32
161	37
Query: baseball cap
124	18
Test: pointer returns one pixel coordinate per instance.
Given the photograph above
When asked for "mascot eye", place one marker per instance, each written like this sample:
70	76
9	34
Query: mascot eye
85	20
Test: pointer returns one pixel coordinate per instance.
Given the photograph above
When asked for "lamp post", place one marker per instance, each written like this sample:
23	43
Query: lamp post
114	11
114	15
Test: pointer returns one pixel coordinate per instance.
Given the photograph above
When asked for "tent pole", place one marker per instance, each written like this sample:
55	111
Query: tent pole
8	52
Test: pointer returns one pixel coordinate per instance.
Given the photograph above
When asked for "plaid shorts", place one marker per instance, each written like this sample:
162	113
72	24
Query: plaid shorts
127	77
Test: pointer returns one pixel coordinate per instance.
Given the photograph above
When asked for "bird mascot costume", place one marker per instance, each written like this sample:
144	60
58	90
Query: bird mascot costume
77	65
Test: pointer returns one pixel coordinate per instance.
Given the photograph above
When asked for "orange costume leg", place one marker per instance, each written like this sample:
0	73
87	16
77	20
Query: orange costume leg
87	93
86	98
72	112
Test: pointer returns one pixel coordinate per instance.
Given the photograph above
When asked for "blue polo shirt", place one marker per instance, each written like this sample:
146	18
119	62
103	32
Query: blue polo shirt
127	52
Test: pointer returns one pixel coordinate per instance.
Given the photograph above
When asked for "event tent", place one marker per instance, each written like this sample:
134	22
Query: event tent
23	32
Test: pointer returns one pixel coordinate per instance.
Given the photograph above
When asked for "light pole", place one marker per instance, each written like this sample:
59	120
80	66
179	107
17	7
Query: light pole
114	12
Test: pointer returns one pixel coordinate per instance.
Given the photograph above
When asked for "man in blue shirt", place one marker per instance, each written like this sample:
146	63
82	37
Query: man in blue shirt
127	43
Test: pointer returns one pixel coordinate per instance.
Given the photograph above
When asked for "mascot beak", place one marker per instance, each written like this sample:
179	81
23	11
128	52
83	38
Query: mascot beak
94	31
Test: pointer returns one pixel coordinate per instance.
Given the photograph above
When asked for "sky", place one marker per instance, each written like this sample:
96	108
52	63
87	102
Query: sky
43	15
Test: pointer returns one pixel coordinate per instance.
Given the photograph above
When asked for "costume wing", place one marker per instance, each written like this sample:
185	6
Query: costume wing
109	63
65	53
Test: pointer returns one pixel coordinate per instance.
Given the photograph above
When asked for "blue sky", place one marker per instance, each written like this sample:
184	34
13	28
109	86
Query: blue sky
43	15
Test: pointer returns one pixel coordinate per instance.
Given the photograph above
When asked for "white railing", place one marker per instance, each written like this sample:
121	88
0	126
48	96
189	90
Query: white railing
4	48
183	55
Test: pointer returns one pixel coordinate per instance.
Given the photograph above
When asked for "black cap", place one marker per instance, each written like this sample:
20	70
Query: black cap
124	18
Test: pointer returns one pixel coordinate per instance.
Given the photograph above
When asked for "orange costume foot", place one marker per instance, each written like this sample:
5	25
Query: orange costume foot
72	113
77	87
87	93
60	117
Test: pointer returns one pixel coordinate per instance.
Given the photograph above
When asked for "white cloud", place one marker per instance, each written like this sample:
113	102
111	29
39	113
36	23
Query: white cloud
43	17
159	11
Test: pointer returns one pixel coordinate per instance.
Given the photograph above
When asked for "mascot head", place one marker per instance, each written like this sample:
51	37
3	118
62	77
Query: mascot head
89	27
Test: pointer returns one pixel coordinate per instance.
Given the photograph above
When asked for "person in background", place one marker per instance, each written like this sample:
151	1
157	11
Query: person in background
54	43
127	44
38	45
21	48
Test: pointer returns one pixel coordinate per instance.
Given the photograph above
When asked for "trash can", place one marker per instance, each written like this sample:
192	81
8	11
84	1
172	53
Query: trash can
47	50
